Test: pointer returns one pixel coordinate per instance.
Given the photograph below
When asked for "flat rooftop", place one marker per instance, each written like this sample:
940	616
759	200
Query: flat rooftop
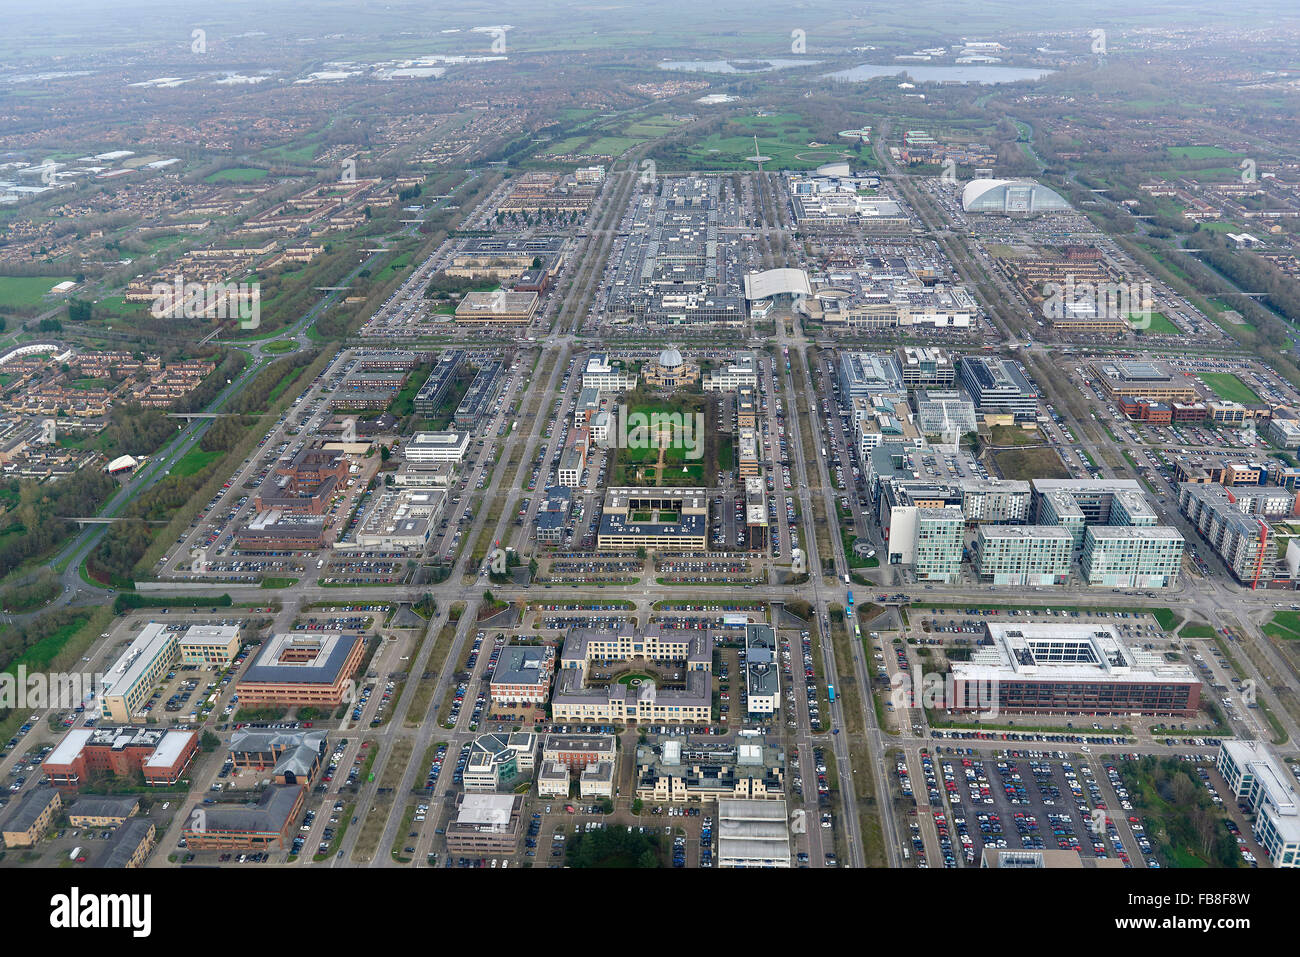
323	655
1058	651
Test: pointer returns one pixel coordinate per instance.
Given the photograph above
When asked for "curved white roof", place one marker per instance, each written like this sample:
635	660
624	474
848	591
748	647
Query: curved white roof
670	358
1040	197
774	282
978	187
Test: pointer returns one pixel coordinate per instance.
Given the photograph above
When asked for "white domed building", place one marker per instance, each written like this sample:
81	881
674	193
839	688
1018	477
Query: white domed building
671	371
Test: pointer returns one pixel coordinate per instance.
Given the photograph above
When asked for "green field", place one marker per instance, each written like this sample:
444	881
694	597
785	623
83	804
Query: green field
240	174
1285	625
1200	152
24	292
573	144
1160	325
1030	463
300	154
615	145
1228	386
781	136
194	461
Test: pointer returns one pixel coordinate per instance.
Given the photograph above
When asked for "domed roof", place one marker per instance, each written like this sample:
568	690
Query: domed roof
670	358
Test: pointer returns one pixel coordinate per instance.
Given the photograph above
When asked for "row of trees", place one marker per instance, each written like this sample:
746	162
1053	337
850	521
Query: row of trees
35	524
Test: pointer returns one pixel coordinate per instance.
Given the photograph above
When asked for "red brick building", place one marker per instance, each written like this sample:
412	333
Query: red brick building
161	756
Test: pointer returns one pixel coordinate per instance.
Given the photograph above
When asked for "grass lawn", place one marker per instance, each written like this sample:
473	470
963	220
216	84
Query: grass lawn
279	582
1030	463
1228	386
1285	625
19	292
194	461
1199	152
240	174
628	679
1160	324
614	145
1198	631
1013	435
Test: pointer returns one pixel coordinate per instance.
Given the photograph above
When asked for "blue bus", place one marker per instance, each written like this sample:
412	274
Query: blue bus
830	690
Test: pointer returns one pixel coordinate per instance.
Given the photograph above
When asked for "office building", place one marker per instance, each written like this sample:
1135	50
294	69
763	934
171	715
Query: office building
500	760
1144	379
676	770
1258	781
1050	667
1244	541
573	460
94	811
130	845
522	675
1132	557
161	757
478	399
553	516
499	307
304	484
729	375
553	780
866	373
601	375
30	817
486	825
291	757
265	826
132	678
762	671
208	644
1023	554
927	537
428	447
298	669
1284	433
687	700
400	519
576	751
999	387
924	367
670	519
156	650
438	386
